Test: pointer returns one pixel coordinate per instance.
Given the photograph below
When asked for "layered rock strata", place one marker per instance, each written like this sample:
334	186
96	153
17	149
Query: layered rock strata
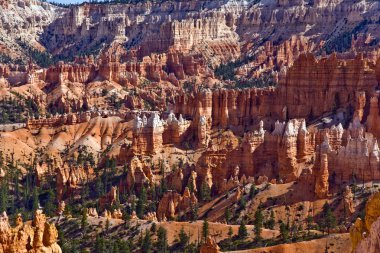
330	82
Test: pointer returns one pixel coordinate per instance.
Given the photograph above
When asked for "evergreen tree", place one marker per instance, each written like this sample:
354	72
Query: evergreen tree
99	189
124	246
107	225
3	197
36	201
183	238
162	240
230	232
284	232
309	220
258	224
252	191
193	212
329	219
146	246
84	221
141	202
190	185
242	203
205	192
49	206
271	222
153	228
100	246
242	233
227	215
205	230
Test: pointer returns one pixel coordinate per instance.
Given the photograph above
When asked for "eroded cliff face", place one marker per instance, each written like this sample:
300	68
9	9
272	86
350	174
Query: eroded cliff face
149	111
328	82
149	27
212	28
23	22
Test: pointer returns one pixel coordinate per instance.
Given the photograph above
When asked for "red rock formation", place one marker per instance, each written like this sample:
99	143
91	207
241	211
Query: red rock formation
295	146
71	179
280	154
348	200
175	130
322	179
309	74
40	236
276	57
373	118
59	120
364	234
61	72
139	174
147	134
209	246
91	212
357	156
150	216
109	199
371	243
328	82
61	208
173	204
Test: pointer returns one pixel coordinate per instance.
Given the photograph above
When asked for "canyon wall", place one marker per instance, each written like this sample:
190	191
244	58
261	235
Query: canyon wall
309	89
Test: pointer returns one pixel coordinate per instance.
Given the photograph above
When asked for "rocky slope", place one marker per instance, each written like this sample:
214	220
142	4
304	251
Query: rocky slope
163	114
21	25
219	31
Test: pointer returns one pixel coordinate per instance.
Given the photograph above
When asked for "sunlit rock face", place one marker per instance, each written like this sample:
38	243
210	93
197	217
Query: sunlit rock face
327	82
39	236
365	233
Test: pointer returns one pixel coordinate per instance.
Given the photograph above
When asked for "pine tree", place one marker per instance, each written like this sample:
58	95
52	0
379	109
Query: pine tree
162	240
242	203
124	246
227	215
309	220
3	197
146	246
252	191
183	238
141	202
100	246
230	232
190	185
99	187
49	206
84	221
329	220
258	224
107	225
205	192
242	233
153	228
193	211
284	232
205	230
36	200
271	222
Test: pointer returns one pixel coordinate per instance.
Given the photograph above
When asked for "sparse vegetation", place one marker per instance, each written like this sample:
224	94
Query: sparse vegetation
16	109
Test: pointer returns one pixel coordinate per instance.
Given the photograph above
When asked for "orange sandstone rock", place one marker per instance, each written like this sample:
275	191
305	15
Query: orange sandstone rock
209	246
41	236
